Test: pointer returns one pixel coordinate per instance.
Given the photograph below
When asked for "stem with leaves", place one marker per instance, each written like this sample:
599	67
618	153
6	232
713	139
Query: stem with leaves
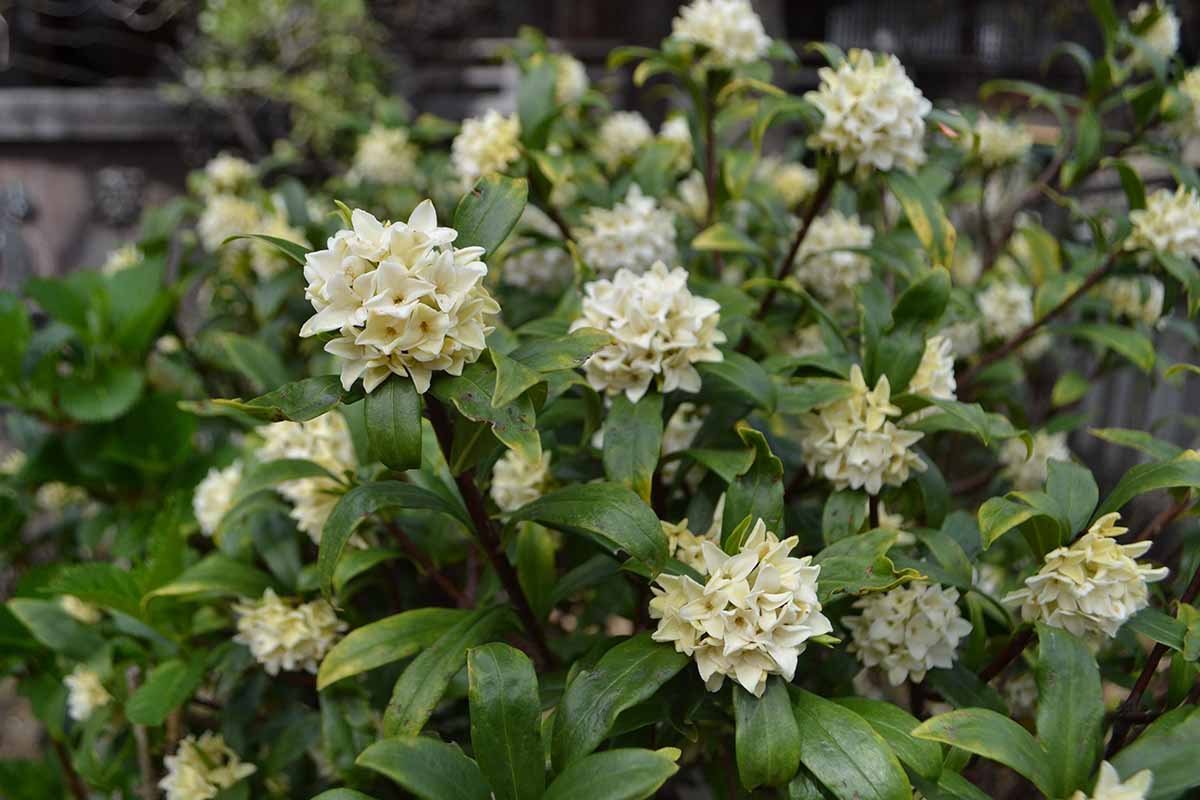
1016	645
815	204
74	782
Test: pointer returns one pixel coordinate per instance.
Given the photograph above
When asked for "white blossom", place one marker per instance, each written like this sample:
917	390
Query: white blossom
824	261
1025	471
1189	87
693	196
1007	308
621	135
124	257
13	462
85	693
794	181
808	340
534	264
852	443
660	329
325	441
751	618
227	174
201	768
384	156
675	130
934	377
687	547
485	145
966	268
1109	785
1136	298
227	215
1090	587
214	496
1163	34
283	636
908	631
873	114
570	79
996	143
517	482
55	497
1170	223
631	235
406	301
730	30
86	613
678	434
964	337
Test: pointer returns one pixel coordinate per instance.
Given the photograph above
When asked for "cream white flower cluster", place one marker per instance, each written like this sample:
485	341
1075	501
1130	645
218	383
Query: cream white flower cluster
1090	587
85	693
214	496
532	264
570	78
227	174
516	481
201	768
485	145
964	337
874	115
282	636
826	265
1109	785
807	340
631	235
1007	308
384	156
996	143
794	181
265	259
852	443
1163	34
687	547
324	441
124	257
678	434
751	618
227	215
675	130
661	331
730	30
1189	87
967	267
86	613
55	497
621	135
908	631
1026	471
406	301
693	196
1170	223
13	462
935	374
1136	298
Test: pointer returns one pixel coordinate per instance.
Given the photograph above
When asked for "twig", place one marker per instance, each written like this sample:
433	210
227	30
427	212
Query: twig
485	532
996	246
1016	645
810	213
1165	518
78	789
710	162
148	787
973	482
426	566
873	511
557	218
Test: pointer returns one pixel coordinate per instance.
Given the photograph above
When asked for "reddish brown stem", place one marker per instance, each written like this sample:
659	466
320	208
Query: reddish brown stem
74	782
815	204
1011	652
1164	518
426	566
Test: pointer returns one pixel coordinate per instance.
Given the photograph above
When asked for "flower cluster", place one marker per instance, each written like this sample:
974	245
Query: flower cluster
621	135
226	215
570	79
405	300
1109	785
1007	308
908	631
1162	35
1170	223
852	443
326	442
124	257
995	143
751	618
826	262
1028	471
730	30
227	174
201	768
874	115
1090	587
693	196
485	145
531	263
85	693
86	613
516	481
675	131
631	235
1189	87
282	636
678	434
794	181
384	156
1136	298
687	547
661	330
214	496
934	377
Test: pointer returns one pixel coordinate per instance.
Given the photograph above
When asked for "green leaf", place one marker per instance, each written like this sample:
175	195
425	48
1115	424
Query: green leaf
1075	490
1126	342
926	216
924	302
844	753
215	575
857	565
1168	749
626	675
622	774
385	641
1069	388
513	379
632	440
1142	478
506	730
1070	708
737	379
963	689
429	769
296	252
969	418
101	584
756	494
727	464
167	687
106	395
995	737
259	363
767	740
806	394
420	687
342	794
393	421
567	352
999	515
358	561
724	238
14	321
895	726
844	515
471	393
1158	627
298	401
1185	271
361	502
55	628
1189	618
655	167
535	103
1138	440
612	515
267	474
489	211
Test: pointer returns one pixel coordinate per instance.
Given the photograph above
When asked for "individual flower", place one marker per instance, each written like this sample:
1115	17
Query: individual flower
227	174
794	181
570	79
1090	587
730	30
1162	35
631	235
1110	787
485	145
55	497
214	496
852	443
201	768
1028	471
895	521
621	135
384	156
405	300
283	636
964	337
227	215
873	114
532	263
995	143
85	693
266	259
751	618
517	482
934	377
1007	308
86	613
660	331
825	262
325	441
675	130
124	257
693	196
908	631
1170	223
1136	298
687	547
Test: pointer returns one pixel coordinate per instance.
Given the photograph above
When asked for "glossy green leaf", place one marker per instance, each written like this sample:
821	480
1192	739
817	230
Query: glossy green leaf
926	216
514	424
252	357
102	397
1075	490
1167	747
857	565
1134	346
512	379
805	394
100	584
632	439
429	769
385	641
393	422
1070	708
506	721
724	238
215	575
296	252
767	741
489	211
896	726
1142	478
298	401
1138	440
844	514
55	628
757	493
1185	271
727	464
1157	626
737	379
166	688
268	474
995	737
566	352
622	774
962	688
